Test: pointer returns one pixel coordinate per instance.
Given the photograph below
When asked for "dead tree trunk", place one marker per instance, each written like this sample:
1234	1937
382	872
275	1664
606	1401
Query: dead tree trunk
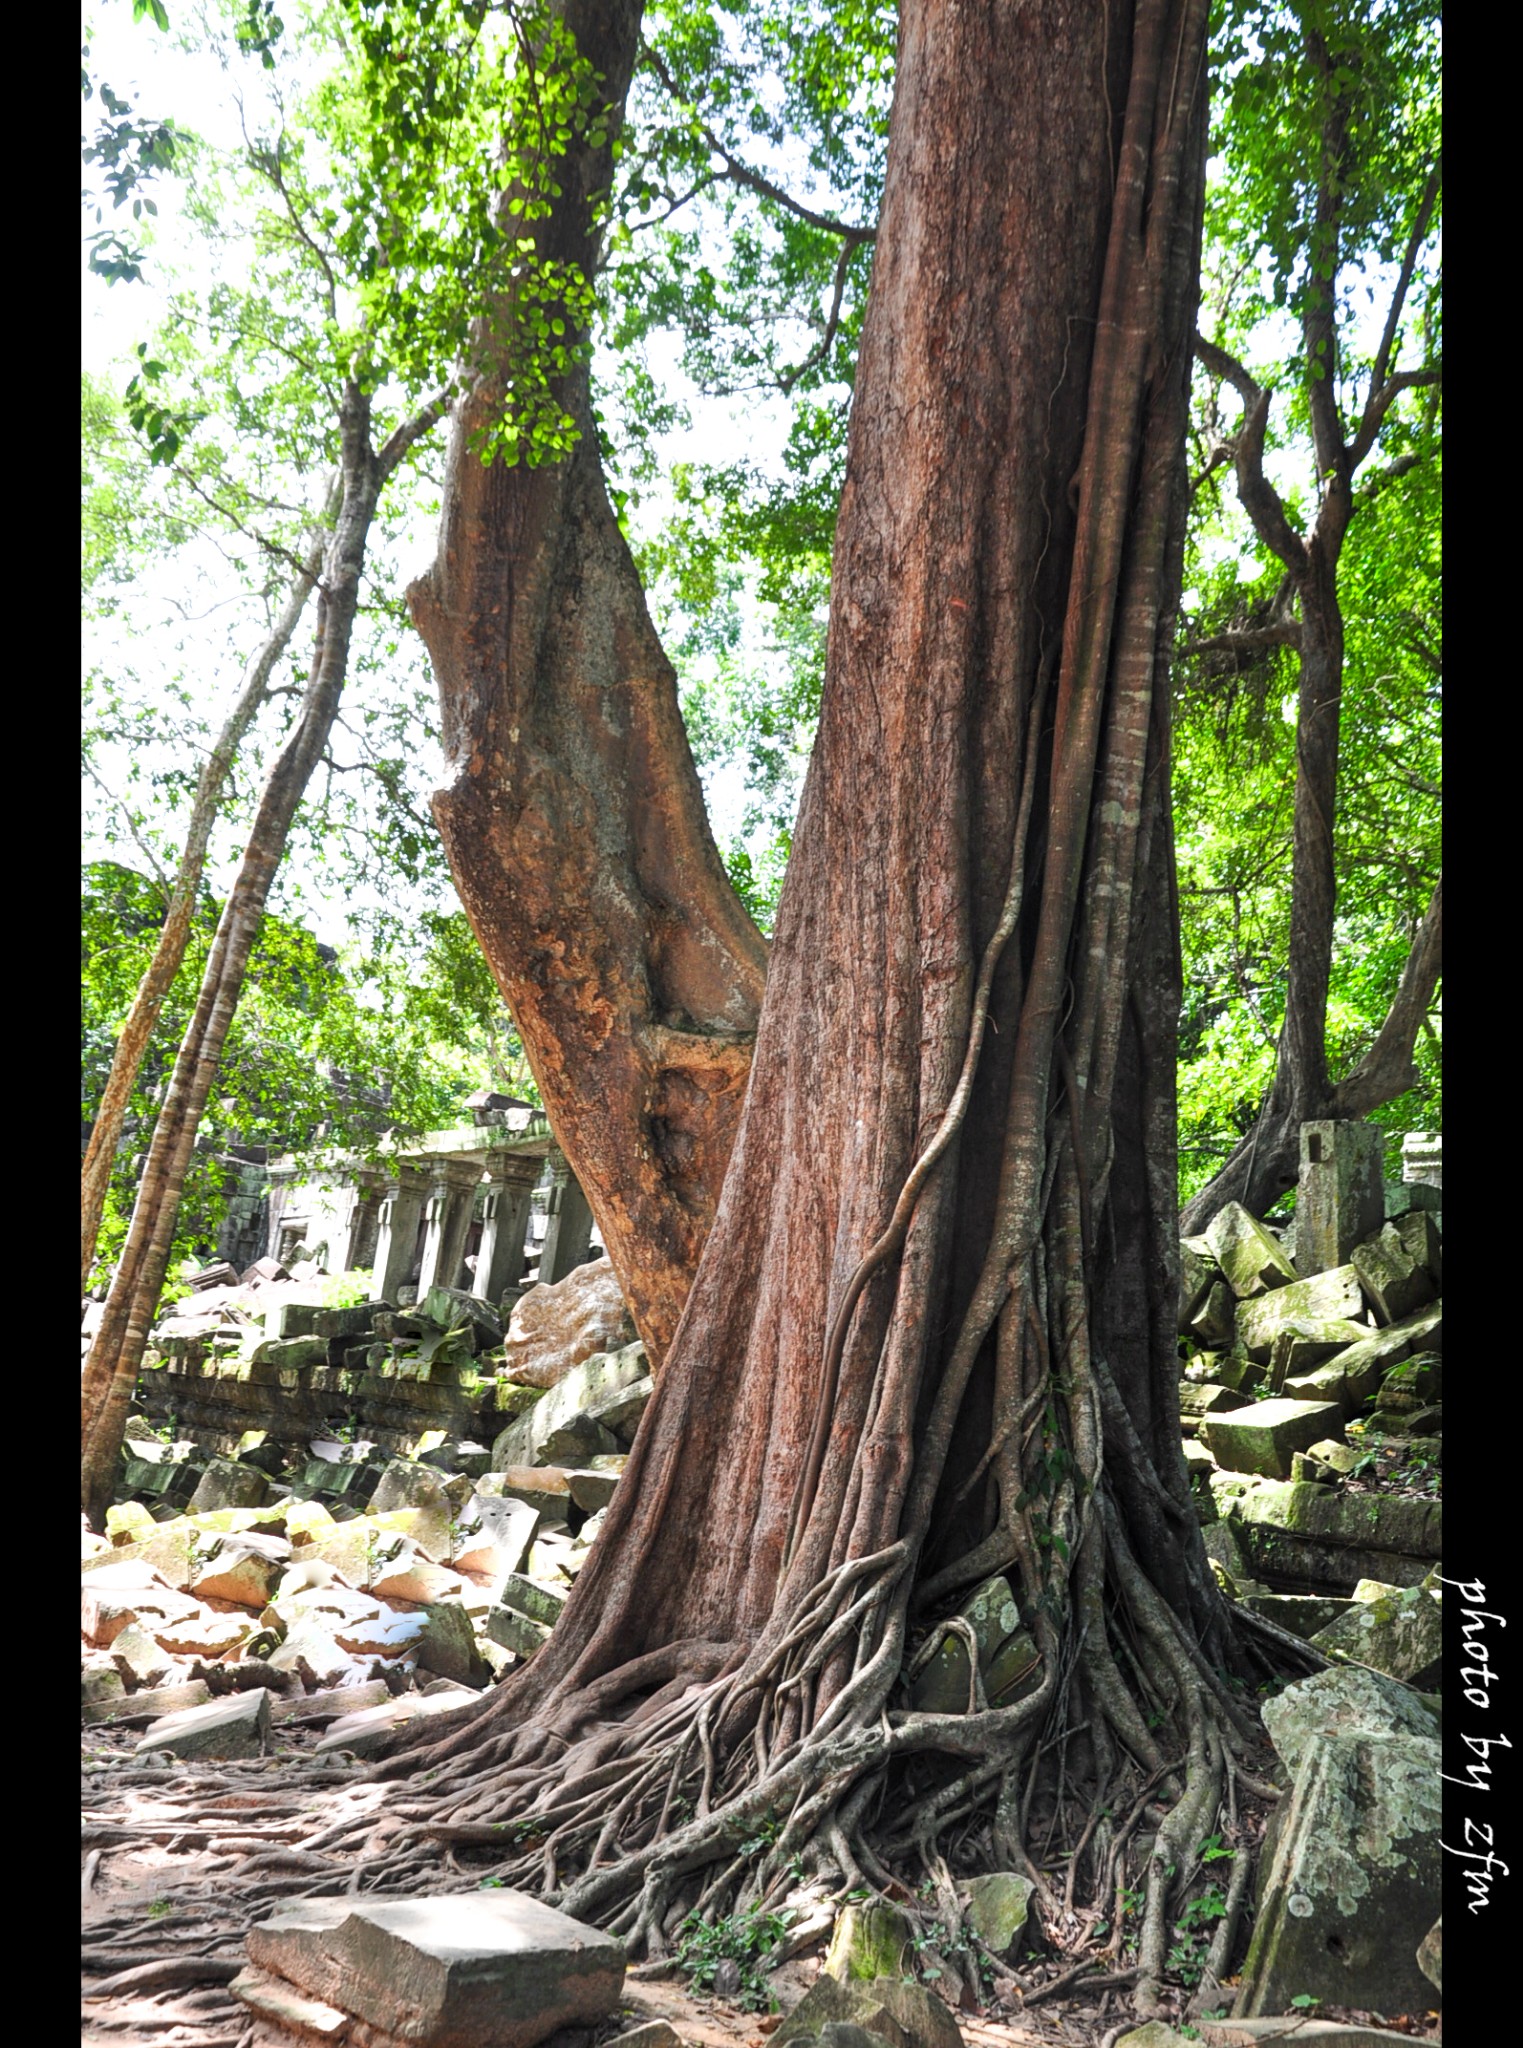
573	818
931	1336
169	952
114	1358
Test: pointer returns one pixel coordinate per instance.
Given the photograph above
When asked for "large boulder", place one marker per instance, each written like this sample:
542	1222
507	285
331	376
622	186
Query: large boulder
554	1328
490	1969
1352	1882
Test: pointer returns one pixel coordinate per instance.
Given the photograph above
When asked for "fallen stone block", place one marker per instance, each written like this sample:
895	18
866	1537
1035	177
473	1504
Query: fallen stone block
1261	1437
1301	1613
145	1707
1393	1629
294	2015
1198	1398
997	1908
869	1940
513	1631
1198	1274
540	1603
1300	1346
1315	1537
311	1654
313	1709
1215	1319
943	1686
594	1488
900	2013
448	1306
366	1731
1248	1254
1293	2030
230	1727
553	1329
1332	1296
563	1428
412	1576
1430	1955
243	1570
227	1484
101	1685
540	1487
467	1970
1395	1282
204	1633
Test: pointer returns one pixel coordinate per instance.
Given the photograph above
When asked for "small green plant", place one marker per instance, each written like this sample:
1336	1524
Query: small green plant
345	1290
740	1938
1304	2002
160	1909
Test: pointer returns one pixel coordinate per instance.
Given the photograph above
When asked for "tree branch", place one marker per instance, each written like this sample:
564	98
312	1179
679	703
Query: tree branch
1386	1070
1246	639
832	321
1415	242
1380	404
423	421
742	174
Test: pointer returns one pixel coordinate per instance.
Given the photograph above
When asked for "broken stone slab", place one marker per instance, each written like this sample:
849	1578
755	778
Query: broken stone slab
1248	1254
404	1484
366	1730
576	1442
447	1646
1351	1376
1261	1437
227	1484
593	1490
498	1535
303	1319
1216	1318
288	1354
1198	1398
540	1603
1198	1274
412	1576
140	1660
540	1487
1395	1282
1330	1296
1293	2030
1354	1880
997	1907
513	1631
1342	1702
561	1428
1394	1629
893	2010
1300	1346
461	1970
448	1306
145	1707
309	1710
1303	1614
621	1410
202	1633
1416	1383
294	2016
243	1570
1314	1537
236	1725
311	1654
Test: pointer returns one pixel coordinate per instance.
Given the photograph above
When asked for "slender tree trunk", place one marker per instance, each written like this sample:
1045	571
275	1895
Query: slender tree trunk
112	1365
158	978
931	1335
573	817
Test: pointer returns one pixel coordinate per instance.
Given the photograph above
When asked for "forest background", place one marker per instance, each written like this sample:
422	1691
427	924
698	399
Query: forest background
231	165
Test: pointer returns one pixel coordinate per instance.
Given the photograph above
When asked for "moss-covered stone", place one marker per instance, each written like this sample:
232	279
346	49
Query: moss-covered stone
1248	1254
1397	1630
996	1909
1334	1296
1261	1437
869	1940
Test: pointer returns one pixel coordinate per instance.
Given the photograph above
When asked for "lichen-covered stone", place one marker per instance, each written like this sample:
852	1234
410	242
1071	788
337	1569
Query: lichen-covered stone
1353	1884
1261	1437
1430	1955
1305	1343
1198	1274
1329	1540
1248	1254
1301	1613
944	1685
894	2010
1395	1280
1215	1319
1331	1296
873	1939
996	1908
1394	1629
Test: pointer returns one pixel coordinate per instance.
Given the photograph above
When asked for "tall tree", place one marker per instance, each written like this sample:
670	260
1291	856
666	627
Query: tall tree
1334	157
931	1334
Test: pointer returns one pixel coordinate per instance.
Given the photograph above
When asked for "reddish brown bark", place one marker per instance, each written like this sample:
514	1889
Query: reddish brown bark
1004	577
573	817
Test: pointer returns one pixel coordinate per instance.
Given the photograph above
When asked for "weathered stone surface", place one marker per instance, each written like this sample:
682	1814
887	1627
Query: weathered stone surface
1323	1538
311	1654
1337	1703
870	1940
1155	2034
1340	1195
1423	1241
1416	1383
448	1306
1394	1281
227	1484
202	1633
101	1684
245	1570
1198	1274
1261	1437
562	1428
1294	2030
1353	1884
1199	1398
1351	1376
944	1685
1215	1319
462	1970
997	1907
295	2016
1247	1253
447	1646
1335	1295
1430	1955
1394	1629
234	1726
1301	1613
554	1329
407	1485
313	1709
514	1631
496	1539
1300	1346
898	2013
150	1706
366	1730
409	1575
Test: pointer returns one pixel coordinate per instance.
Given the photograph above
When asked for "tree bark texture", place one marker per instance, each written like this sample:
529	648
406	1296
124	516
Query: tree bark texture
112	1364
931	1335
169	952
573	817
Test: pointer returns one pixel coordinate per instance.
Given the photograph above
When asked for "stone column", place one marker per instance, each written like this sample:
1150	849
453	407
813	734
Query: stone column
451	1190
370	1190
568	1223
397	1231
500	1261
1422	1157
1340	1196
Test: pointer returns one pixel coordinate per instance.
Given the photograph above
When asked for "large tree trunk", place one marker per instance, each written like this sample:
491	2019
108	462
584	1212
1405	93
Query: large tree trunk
115	1356
573	819
169	951
931	1335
